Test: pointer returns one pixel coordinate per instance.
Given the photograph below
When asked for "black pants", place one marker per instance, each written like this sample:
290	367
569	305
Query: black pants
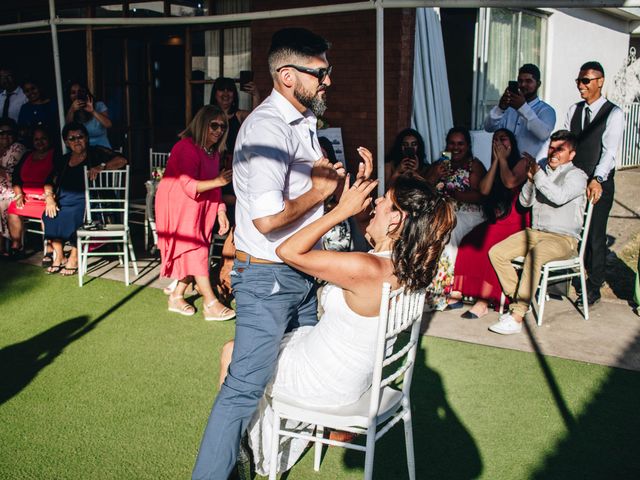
596	252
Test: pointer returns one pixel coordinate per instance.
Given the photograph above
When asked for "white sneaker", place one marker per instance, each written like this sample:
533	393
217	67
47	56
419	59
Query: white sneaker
507	325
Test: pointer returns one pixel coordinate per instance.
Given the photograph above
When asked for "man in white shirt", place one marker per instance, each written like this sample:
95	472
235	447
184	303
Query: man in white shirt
280	186
599	125
520	110
555	191
12	97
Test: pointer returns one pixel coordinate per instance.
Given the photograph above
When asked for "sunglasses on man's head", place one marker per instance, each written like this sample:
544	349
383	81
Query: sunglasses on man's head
216	125
585	80
7	132
319	73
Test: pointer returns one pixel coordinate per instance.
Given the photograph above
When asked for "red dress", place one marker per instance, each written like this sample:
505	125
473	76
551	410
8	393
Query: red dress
32	175
474	274
185	218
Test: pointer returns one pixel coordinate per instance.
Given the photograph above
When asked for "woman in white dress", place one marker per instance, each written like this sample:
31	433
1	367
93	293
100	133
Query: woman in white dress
331	364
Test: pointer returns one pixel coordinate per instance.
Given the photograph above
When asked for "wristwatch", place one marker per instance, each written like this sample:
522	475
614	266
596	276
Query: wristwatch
598	179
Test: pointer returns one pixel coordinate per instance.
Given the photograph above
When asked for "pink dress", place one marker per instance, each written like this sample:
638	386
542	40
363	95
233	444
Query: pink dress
474	274
33	174
185	218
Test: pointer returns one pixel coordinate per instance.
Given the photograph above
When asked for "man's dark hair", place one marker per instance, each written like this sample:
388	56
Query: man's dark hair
565	136
531	69
74	127
294	42
593	66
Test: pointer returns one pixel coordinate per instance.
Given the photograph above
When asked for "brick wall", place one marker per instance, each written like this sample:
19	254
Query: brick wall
352	96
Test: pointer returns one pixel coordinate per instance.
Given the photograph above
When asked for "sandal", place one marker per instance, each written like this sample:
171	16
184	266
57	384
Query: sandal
53	269
47	260
70	271
183	309
225	314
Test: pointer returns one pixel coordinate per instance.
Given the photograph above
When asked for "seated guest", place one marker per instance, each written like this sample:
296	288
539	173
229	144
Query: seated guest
406	155
28	185
64	192
11	152
474	275
92	114
39	110
556	192
331	364
458	178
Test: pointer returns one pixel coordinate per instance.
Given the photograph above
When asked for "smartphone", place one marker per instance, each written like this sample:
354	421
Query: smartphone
408	152
246	76
81	96
513	87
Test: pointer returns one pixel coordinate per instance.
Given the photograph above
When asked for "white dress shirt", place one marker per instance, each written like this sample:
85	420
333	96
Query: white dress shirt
272	160
16	100
531	124
611	138
557	198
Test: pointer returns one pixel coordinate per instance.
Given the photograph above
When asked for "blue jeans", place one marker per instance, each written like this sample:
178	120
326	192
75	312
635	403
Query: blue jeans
270	300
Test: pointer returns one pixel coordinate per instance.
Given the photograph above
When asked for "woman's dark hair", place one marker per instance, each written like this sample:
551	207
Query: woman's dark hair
464	131
425	230
498	203
11	123
224	83
73	127
395	154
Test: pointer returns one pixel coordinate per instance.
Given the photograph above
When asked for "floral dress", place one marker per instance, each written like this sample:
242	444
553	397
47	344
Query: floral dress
468	216
8	161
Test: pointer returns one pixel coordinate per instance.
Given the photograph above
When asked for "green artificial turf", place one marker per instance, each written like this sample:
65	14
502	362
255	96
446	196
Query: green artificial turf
102	382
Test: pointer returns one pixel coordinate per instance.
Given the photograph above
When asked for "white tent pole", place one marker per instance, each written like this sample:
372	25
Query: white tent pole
56	64
380	94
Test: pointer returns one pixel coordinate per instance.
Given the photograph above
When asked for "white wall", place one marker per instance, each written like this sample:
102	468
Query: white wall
575	36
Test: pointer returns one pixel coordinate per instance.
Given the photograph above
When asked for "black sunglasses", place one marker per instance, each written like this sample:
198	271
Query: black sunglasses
215	126
585	80
319	73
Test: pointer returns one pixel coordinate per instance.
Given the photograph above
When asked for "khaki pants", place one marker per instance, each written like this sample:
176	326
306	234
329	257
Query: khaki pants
538	248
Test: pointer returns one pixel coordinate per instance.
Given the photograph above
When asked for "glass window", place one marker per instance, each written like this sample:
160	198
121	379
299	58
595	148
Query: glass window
507	39
188	8
146	9
109	10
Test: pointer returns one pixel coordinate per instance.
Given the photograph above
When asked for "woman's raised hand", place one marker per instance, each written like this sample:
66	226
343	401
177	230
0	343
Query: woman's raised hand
500	151
365	168
355	198
88	106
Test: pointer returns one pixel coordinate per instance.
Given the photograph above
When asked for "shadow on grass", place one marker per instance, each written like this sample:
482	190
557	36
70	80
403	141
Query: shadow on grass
23	361
603	442
443	447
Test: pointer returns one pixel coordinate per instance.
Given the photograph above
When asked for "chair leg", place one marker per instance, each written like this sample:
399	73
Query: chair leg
146	229
275	444
542	295
317	454
132	254
583	284
80	265
408	438
369	453
125	252
502	302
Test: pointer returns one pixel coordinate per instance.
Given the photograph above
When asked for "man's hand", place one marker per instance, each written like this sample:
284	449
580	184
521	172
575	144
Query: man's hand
532	166
594	191
324	177
505	99
516	100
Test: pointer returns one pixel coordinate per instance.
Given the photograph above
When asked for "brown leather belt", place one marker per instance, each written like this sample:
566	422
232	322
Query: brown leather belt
244	256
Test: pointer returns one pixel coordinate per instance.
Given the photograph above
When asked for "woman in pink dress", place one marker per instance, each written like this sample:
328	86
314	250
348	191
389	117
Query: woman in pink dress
28	185
188	201
474	275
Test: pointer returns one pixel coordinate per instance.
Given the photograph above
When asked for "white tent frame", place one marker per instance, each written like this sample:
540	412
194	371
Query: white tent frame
377	5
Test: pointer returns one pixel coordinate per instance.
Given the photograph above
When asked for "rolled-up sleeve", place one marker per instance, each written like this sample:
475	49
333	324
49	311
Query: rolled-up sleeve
188	165
268	169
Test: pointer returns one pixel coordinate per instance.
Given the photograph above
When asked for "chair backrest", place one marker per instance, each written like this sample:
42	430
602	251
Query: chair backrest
585	228
107	194
398	338
157	160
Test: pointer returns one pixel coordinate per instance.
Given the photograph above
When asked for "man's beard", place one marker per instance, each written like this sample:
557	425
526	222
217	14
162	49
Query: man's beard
314	102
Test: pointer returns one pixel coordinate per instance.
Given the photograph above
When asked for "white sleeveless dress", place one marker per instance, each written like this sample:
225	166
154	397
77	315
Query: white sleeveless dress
330	364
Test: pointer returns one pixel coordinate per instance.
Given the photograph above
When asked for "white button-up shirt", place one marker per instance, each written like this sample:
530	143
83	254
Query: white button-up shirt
531	124
611	138
272	161
16	100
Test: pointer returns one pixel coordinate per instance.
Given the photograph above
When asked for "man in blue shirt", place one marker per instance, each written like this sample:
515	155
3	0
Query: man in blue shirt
530	119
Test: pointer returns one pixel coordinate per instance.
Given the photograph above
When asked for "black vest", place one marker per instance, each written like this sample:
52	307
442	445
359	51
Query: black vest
589	149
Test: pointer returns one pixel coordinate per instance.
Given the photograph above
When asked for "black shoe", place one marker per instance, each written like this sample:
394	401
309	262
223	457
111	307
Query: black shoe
593	296
244	464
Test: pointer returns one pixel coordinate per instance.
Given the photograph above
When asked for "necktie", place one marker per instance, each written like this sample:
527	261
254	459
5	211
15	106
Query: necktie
5	107
587	118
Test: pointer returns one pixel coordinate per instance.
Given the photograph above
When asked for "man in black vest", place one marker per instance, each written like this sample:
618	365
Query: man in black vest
599	125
